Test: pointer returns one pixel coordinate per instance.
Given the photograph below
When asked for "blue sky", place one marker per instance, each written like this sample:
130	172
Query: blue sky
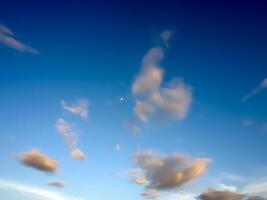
89	89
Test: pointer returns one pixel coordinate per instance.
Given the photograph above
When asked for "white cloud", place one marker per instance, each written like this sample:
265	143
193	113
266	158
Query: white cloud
7	37
80	108
152	98
70	138
45	194
262	86
259	188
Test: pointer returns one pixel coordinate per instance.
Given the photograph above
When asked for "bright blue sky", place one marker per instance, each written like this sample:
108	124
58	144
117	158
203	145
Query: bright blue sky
93	51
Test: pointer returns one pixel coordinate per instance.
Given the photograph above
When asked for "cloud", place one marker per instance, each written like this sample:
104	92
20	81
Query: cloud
80	108
38	160
169	172
70	138
141	181
44	194
133	126
152	98
227	187
7	38
150	194
262	86
58	184
117	147
166	36
211	194
256	188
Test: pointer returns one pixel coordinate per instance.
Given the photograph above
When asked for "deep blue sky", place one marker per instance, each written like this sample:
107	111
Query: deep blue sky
92	50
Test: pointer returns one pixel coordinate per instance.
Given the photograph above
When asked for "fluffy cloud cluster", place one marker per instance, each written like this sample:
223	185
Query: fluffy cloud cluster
38	160
165	172
151	96
70	138
80	108
7	38
169	172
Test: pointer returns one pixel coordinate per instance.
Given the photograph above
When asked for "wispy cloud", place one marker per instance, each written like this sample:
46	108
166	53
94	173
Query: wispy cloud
70	138
262	86
7	37
151	97
58	184
80	108
259	188
38	160
44	194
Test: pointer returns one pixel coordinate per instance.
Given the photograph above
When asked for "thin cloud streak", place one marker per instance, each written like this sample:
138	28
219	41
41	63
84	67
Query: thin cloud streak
262	86
7	37
45	194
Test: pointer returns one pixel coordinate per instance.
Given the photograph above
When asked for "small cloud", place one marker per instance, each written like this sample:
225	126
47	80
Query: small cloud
38	160
117	147
132	126
77	154
166	36
80	108
227	187
58	184
7	37
152	97
262	86
150	194
70	138
141	181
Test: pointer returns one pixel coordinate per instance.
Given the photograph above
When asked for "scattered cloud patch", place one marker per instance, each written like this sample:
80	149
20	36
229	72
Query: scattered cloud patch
70	138
152	97
150	194
38	160
211	194
7	37
80	108
171	171
256	188
57	184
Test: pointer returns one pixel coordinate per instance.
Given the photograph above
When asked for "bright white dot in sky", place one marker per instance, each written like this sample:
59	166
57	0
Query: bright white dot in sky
121	99
118	147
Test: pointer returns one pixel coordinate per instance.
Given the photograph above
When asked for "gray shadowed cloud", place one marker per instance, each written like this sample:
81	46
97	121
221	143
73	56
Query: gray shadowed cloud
211	194
70	138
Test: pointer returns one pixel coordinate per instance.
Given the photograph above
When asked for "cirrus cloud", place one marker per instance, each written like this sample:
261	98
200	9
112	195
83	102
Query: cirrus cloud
7	37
